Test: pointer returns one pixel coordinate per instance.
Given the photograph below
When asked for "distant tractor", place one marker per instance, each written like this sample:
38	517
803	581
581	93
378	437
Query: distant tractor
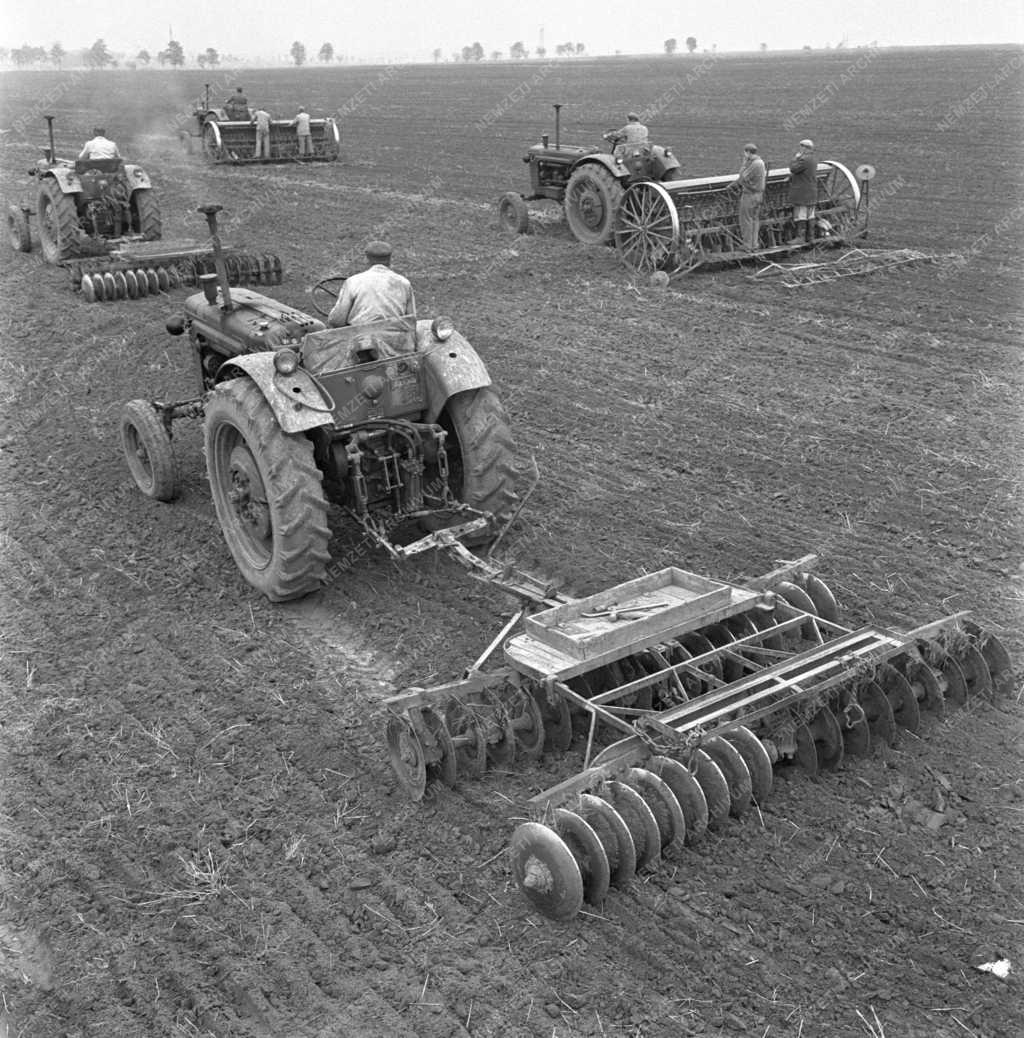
396	422
84	207
227	135
590	183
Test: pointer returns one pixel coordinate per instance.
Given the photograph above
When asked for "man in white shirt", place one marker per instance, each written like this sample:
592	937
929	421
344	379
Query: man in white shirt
375	294
262	120
301	124
99	147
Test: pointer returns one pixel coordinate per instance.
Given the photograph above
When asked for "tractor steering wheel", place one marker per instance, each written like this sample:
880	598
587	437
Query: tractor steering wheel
328	287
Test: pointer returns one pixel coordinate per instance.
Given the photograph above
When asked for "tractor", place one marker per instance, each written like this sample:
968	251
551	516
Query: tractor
396	422
85	207
589	182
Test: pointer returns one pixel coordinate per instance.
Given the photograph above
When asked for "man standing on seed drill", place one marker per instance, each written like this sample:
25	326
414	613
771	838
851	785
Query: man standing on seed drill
262	120
803	192
375	294
751	181
301	124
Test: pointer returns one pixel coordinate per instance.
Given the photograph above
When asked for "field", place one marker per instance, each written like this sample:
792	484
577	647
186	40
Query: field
200	834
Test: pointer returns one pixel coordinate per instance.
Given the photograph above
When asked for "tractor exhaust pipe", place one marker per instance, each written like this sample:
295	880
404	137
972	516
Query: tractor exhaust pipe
210	212
53	150
558	126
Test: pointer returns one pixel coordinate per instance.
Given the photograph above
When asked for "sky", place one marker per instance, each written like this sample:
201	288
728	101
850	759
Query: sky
403	30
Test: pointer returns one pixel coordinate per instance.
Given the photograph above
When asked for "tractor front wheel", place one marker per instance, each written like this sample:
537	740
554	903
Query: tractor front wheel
267	492
148	451
146	215
58	223
17	225
513	215
592	199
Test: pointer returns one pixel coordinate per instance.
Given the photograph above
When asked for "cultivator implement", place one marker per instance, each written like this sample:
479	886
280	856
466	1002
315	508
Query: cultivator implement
709	688
139	269
679	226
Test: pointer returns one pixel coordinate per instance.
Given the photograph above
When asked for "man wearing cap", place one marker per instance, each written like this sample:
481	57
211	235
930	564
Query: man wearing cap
99	147
301	122
261	118
751	181
375	294
632	135
803	191
237	106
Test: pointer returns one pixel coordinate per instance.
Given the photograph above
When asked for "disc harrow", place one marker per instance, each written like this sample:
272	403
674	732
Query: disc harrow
708	689
138	272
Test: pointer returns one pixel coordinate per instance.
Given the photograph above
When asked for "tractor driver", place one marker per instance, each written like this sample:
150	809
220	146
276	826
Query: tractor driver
375	294
632	135
99	147
237	106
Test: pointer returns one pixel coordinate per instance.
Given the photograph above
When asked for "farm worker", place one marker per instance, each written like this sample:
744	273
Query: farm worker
99	147
301	124
633	134
751	181
262	121
374	294
237	106
803	191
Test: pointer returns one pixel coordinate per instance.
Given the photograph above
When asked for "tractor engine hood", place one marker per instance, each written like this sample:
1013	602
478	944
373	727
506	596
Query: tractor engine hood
254	324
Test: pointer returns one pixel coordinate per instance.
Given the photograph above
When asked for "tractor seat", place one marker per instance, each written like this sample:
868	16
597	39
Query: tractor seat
98	165
337	348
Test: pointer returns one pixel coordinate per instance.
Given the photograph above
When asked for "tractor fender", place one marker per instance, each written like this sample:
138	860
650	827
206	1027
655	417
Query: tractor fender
601	158
297	400
449	367
66	178
137	176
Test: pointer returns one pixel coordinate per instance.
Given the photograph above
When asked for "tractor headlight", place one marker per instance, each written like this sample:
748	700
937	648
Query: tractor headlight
668	153
286	362
442	328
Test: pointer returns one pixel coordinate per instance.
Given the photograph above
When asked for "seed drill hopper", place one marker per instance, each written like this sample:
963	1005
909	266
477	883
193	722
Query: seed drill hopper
690	694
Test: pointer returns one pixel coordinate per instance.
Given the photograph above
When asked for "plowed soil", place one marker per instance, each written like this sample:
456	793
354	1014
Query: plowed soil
200	834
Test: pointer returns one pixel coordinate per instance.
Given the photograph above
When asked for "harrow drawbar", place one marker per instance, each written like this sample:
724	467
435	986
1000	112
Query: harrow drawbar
148	269
707	688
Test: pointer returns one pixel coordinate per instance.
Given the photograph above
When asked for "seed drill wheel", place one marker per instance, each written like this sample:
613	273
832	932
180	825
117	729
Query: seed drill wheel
513	215
592	199
57	217
405	751
688	794
148	451
546	871
213	144
839	201
614	835
18	229
647	231
267	492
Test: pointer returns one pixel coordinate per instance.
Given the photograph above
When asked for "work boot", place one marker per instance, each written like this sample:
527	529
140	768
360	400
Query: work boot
810	232
799	232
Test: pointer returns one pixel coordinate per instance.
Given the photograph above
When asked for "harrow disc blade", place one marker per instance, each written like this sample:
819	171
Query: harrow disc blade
763	619
977	676
109	286
120	284
406	755
89	289
755	756
825	604
854	726
614	835
527	724
152	281
806	750
828	739
501	740
440	758
557	717
133	284
546	871
925	683
688	794
799	599
996	658
714	786
905	709
952	682
732	765
719	635
639	818
467	738
163	279
878	714
740	625
695	643
586	847
663	804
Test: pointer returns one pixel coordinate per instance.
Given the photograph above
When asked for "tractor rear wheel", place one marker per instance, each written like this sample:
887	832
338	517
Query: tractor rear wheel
480	452
592	199
267	492
148	451
146	215
17	225
58	223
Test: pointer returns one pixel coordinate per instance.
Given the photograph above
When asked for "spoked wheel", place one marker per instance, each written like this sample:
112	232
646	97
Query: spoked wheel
647	230
325	293
513	215
213	144
839	202
546	871
592	199
148	451
405	751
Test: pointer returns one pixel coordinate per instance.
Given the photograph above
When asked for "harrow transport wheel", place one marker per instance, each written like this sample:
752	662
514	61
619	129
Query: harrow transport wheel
731	764
267	492
647	230
877	713
147	450
145	214
546	871
406	755
688	794
828	739
714	786
527	724
467	738
445	769
996	658
663	804
643	826
905	709
57	218
756	758
18	229
480	454
513	215
614	835
592	199
585	846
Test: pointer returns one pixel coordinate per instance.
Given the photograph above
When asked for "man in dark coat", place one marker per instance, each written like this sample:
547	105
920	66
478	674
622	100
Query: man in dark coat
803	191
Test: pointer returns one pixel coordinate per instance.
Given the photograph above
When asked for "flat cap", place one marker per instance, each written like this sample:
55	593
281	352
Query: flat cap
634	116
807	143
750	147
378	250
